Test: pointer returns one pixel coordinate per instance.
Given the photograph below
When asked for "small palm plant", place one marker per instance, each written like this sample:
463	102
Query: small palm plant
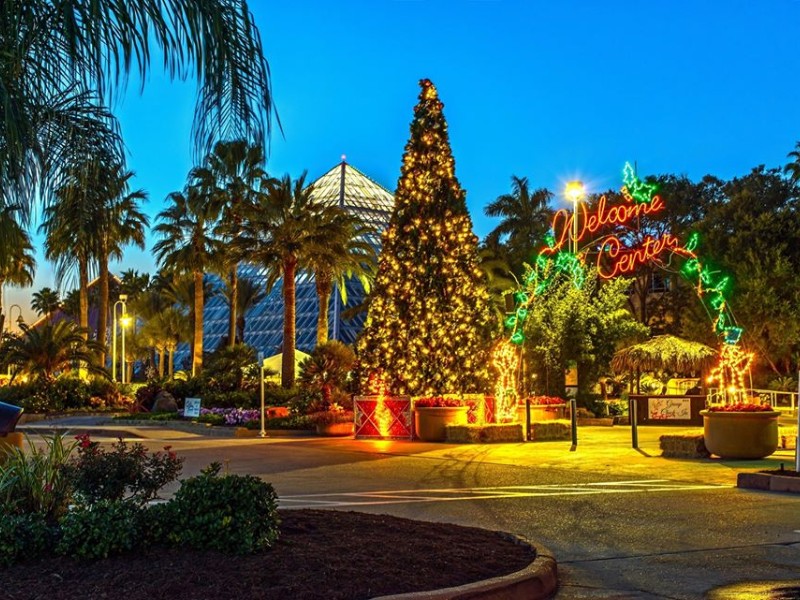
53	348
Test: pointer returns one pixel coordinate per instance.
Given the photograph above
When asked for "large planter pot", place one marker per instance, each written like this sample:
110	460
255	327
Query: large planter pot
748	435
336	429
430	423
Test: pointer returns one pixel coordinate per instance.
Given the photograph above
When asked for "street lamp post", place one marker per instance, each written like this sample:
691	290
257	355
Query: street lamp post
575	191
121	302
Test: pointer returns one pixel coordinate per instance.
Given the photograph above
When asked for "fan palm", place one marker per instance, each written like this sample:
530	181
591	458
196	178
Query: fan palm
46	302
231	177
345	254
44	351
526	217
188	246
280	233
60	60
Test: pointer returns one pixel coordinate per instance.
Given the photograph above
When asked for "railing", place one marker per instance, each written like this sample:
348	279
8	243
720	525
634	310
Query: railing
778	400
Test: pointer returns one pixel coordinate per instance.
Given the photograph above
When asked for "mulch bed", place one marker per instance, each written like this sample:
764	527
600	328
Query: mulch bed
328	555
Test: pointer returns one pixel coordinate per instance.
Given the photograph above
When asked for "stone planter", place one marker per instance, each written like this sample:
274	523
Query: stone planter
430	423
747	435
336	429
543	412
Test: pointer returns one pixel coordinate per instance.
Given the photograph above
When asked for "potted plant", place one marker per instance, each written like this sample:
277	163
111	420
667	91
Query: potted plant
741	430
432	416
334	421
544	408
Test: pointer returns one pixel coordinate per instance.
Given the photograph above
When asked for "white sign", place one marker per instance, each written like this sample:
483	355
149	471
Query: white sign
662	409
191	407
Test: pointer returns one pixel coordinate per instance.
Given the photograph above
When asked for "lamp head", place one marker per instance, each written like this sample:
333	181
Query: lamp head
125	320
575	190
123	297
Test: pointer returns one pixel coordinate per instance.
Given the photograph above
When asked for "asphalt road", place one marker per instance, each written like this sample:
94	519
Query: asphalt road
622	523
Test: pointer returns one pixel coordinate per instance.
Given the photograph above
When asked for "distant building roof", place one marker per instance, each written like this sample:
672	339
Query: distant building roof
344	186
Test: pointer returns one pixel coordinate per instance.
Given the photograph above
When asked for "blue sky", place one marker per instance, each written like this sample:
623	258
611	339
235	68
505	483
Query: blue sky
549	90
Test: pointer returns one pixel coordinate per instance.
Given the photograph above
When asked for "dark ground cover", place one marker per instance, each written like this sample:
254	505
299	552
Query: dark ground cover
321	555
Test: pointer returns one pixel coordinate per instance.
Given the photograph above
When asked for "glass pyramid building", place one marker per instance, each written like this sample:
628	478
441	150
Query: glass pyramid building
344	186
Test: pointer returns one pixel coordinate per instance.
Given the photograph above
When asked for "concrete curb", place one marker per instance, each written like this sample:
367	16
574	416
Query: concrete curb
537	581
768	482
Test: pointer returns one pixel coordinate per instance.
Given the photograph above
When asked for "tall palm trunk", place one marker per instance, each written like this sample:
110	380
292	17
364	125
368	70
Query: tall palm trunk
83	296
2	313
197	347
324	289
234	303
287	364
161	357
171	351
102	317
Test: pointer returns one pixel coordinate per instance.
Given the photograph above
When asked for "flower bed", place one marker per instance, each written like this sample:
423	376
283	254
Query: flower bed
546	401
739	407
438	402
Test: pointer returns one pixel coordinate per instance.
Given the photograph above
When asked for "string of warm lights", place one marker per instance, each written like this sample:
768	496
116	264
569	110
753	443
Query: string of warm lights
428	316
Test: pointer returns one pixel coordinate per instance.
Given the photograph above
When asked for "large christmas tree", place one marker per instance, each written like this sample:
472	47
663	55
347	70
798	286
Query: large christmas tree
428	324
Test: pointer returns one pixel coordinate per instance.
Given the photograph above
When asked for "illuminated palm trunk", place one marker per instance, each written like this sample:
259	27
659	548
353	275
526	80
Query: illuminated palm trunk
234	302
197	346
287	364
324	289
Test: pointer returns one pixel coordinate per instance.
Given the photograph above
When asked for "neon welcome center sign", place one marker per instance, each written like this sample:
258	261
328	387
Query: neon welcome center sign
560	258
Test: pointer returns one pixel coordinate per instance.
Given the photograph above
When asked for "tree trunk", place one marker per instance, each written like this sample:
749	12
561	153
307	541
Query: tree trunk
2	312
234	278
83	296
171	363
161	357
102	316
324	288
287	364
197	346
240	325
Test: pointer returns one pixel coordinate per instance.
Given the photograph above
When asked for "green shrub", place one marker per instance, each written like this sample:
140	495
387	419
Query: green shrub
146	394
233	513
125	472
231	399
158	523
292	422
156	416
37	480
189	388
17	394
23	537
211	419
100	530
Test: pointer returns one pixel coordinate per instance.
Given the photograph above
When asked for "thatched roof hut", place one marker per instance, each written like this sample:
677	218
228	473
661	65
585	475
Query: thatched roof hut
665	353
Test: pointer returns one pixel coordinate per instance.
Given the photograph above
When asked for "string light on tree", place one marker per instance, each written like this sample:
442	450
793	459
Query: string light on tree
428	316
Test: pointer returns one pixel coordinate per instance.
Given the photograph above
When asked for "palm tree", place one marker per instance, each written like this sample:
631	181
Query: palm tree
188	246
281	231
526	217
60	60
345	254
248	296
46	302
231	177
17	263
793	168
72	229
120	223
164	331
44	351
